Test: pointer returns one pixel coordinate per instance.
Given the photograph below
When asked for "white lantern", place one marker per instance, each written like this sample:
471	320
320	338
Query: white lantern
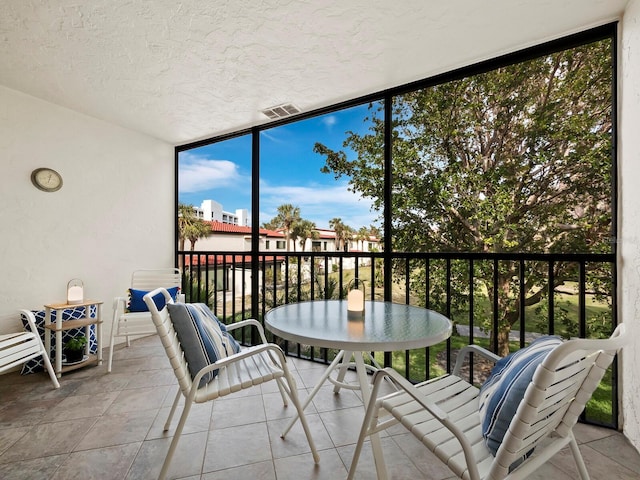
75	292
355	299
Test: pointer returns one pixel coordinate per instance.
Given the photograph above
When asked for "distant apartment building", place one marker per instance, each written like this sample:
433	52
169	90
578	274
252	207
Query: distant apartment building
224	237
237	238
228	244
211	211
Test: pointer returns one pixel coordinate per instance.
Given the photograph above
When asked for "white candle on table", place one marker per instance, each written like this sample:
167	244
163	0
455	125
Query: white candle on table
74	295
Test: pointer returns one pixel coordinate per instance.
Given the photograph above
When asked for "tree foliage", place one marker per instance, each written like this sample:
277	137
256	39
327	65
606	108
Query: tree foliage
517	159
344	233
190	227
288	215
303	230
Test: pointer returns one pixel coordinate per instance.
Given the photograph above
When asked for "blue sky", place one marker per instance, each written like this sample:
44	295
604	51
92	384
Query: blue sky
289	172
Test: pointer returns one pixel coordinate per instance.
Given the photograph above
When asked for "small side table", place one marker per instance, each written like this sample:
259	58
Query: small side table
59	326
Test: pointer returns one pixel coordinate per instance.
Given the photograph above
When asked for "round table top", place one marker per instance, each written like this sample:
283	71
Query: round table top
385	326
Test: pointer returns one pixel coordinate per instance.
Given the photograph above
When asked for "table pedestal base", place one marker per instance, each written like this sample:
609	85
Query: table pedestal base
363	385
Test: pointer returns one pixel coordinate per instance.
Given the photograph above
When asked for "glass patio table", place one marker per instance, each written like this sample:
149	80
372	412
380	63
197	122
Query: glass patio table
384	327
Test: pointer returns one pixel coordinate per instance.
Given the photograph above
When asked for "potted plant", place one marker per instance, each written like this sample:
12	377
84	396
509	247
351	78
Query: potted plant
74	349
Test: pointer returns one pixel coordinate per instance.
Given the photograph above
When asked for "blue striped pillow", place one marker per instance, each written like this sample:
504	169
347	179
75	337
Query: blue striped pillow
502	392
204	339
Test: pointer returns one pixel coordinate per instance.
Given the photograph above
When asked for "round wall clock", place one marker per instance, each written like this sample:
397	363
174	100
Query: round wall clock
46	179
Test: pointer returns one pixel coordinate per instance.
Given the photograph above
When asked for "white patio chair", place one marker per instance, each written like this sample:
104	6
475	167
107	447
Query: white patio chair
128	324
19	348
249	367
443	413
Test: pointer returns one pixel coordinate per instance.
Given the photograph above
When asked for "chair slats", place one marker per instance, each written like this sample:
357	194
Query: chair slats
443	413
150	279
17	352
456	460
18	348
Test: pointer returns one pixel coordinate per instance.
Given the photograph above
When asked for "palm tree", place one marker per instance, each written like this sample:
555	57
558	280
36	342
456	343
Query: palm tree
190	227
186	218
198	230
362	235
293	235
347	236
375	232
271	224
338	227
305	229
287	216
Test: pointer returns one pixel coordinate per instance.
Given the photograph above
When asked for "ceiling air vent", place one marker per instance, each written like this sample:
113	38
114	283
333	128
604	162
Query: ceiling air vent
281	111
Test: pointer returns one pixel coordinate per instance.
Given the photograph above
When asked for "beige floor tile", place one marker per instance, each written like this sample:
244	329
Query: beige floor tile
111	430
9	436
48	439
147	398
343	425
599	466
198	420
232	411
111	463
30	469
235	446
258	471
82	406
295	441
302	466
399	465
618	447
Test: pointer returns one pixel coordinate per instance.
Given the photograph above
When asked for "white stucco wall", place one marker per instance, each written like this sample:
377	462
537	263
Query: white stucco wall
237	243
114	213
629	216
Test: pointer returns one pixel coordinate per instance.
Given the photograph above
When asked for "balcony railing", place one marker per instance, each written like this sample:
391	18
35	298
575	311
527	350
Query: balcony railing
487	296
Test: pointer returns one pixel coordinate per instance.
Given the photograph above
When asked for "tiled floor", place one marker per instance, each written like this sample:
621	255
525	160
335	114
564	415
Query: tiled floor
109	426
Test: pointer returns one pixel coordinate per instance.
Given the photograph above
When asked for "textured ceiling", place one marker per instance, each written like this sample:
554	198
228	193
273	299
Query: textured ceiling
187	70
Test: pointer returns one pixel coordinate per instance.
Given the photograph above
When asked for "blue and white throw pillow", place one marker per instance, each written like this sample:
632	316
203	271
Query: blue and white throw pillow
230	344
502	392
204	338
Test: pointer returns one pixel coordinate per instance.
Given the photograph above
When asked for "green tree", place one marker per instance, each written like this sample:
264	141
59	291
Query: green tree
343	233
338	227
517	159
362	235
271	224
303	230
287	216
190	227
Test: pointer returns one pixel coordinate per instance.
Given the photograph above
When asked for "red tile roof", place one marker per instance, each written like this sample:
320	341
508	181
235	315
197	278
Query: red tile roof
219	227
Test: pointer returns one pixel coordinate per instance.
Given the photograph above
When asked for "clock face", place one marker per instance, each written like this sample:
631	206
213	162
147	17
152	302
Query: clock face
46	179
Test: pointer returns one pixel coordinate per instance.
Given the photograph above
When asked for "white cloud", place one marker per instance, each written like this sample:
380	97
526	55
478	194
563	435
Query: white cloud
269	135
329	121
318	203
199	173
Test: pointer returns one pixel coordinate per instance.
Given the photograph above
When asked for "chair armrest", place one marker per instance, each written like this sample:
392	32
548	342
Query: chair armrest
117	301
250	322
119	306
465	351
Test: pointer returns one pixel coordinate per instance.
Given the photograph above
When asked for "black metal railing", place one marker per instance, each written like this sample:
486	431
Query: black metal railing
500	301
